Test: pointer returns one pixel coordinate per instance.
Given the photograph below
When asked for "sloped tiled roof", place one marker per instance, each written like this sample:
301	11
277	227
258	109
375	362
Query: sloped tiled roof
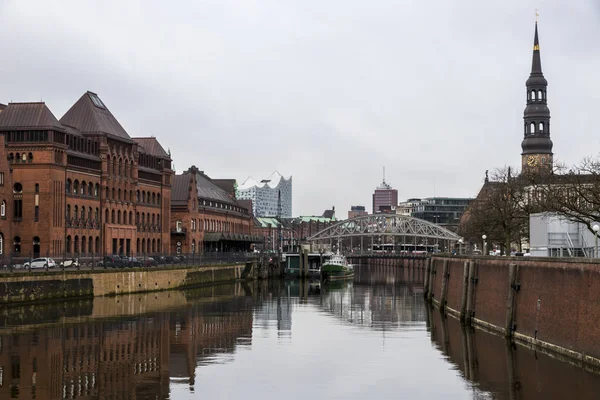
91	118
180	189
228	185
208	190
152	147
246	203
2	106
28	115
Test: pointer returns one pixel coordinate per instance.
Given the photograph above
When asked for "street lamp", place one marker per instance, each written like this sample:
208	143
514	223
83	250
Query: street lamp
460	243
484	244
596	228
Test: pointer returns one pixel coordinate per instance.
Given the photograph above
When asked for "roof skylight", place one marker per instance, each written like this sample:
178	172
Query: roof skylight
96	100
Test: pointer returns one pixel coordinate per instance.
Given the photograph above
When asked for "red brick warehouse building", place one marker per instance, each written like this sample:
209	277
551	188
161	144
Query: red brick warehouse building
206	217
80	186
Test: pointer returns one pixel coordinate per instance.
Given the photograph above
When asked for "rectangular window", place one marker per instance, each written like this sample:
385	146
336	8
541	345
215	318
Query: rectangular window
18	209
1	178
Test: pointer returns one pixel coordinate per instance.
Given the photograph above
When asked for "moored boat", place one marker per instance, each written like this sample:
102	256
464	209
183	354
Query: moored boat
337	268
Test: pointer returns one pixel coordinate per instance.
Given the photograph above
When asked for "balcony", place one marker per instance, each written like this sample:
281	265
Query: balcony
178	231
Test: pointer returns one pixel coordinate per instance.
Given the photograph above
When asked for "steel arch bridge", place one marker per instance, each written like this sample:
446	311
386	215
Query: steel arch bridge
397	232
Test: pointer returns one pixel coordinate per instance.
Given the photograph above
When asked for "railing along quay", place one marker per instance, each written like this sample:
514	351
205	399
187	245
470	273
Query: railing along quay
41	264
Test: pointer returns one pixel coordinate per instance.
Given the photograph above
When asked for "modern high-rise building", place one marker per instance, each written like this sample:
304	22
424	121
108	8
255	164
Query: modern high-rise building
385	198
356	211
266	193
445	211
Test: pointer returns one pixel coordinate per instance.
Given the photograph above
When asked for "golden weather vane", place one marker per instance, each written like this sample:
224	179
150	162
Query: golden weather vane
537	15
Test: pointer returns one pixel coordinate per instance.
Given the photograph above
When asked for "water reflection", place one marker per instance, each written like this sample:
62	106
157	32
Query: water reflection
374	338
509	371
122	359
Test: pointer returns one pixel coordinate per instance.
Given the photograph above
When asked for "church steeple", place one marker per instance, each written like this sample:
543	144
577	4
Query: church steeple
536	145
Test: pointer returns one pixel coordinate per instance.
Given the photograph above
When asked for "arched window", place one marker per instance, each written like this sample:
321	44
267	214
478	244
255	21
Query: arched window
194	246
68	245
120	166
68	186
83	187
96	214
119	217
113	194
114	165
148	245
91	245
540	95
153	219
143	246
137	246
1	244
76	187
11	157
96	190
137	196
179	226
90	189
154	245
153	198
109	168
89	214
158	220
75	212
158	248
143	219
541	127
533	95
18	157
131	169
83	213
112	217
106	216
532	127
158	199
25	157
97	247
83	247
30	157
137	218
17	244
143	197
76	245
68	212
107	194
119	195
3	210
130	218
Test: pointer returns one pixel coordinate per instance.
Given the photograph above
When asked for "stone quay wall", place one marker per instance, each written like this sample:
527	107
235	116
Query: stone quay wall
551	304
54	285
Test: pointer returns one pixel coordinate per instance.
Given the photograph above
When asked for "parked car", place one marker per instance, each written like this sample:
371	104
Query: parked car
37	263
133	262
71	262
112	261
149	262
171	260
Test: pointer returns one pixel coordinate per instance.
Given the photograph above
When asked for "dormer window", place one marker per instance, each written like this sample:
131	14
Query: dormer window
96	100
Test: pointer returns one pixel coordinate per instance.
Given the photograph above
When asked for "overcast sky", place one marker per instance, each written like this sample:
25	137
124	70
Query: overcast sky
328	91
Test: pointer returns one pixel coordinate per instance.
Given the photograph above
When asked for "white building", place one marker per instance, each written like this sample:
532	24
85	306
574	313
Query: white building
551	235
264	195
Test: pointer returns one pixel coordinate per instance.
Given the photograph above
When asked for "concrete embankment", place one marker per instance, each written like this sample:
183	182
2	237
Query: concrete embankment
551	304
55	285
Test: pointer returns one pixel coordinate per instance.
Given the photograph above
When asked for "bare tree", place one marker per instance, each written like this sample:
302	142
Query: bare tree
500	211
573	193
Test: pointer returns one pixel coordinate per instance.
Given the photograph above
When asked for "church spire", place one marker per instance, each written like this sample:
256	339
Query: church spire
536	144
536	64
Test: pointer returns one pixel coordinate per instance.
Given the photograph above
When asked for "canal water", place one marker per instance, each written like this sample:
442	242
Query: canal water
374	338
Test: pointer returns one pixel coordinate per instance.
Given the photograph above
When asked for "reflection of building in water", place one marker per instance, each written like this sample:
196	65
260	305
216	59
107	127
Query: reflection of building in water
376	306
277	310
125	359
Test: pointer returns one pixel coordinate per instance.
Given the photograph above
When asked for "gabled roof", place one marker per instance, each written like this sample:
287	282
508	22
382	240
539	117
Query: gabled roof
152	147
228	185
180	189
208	190
90	116
28	115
